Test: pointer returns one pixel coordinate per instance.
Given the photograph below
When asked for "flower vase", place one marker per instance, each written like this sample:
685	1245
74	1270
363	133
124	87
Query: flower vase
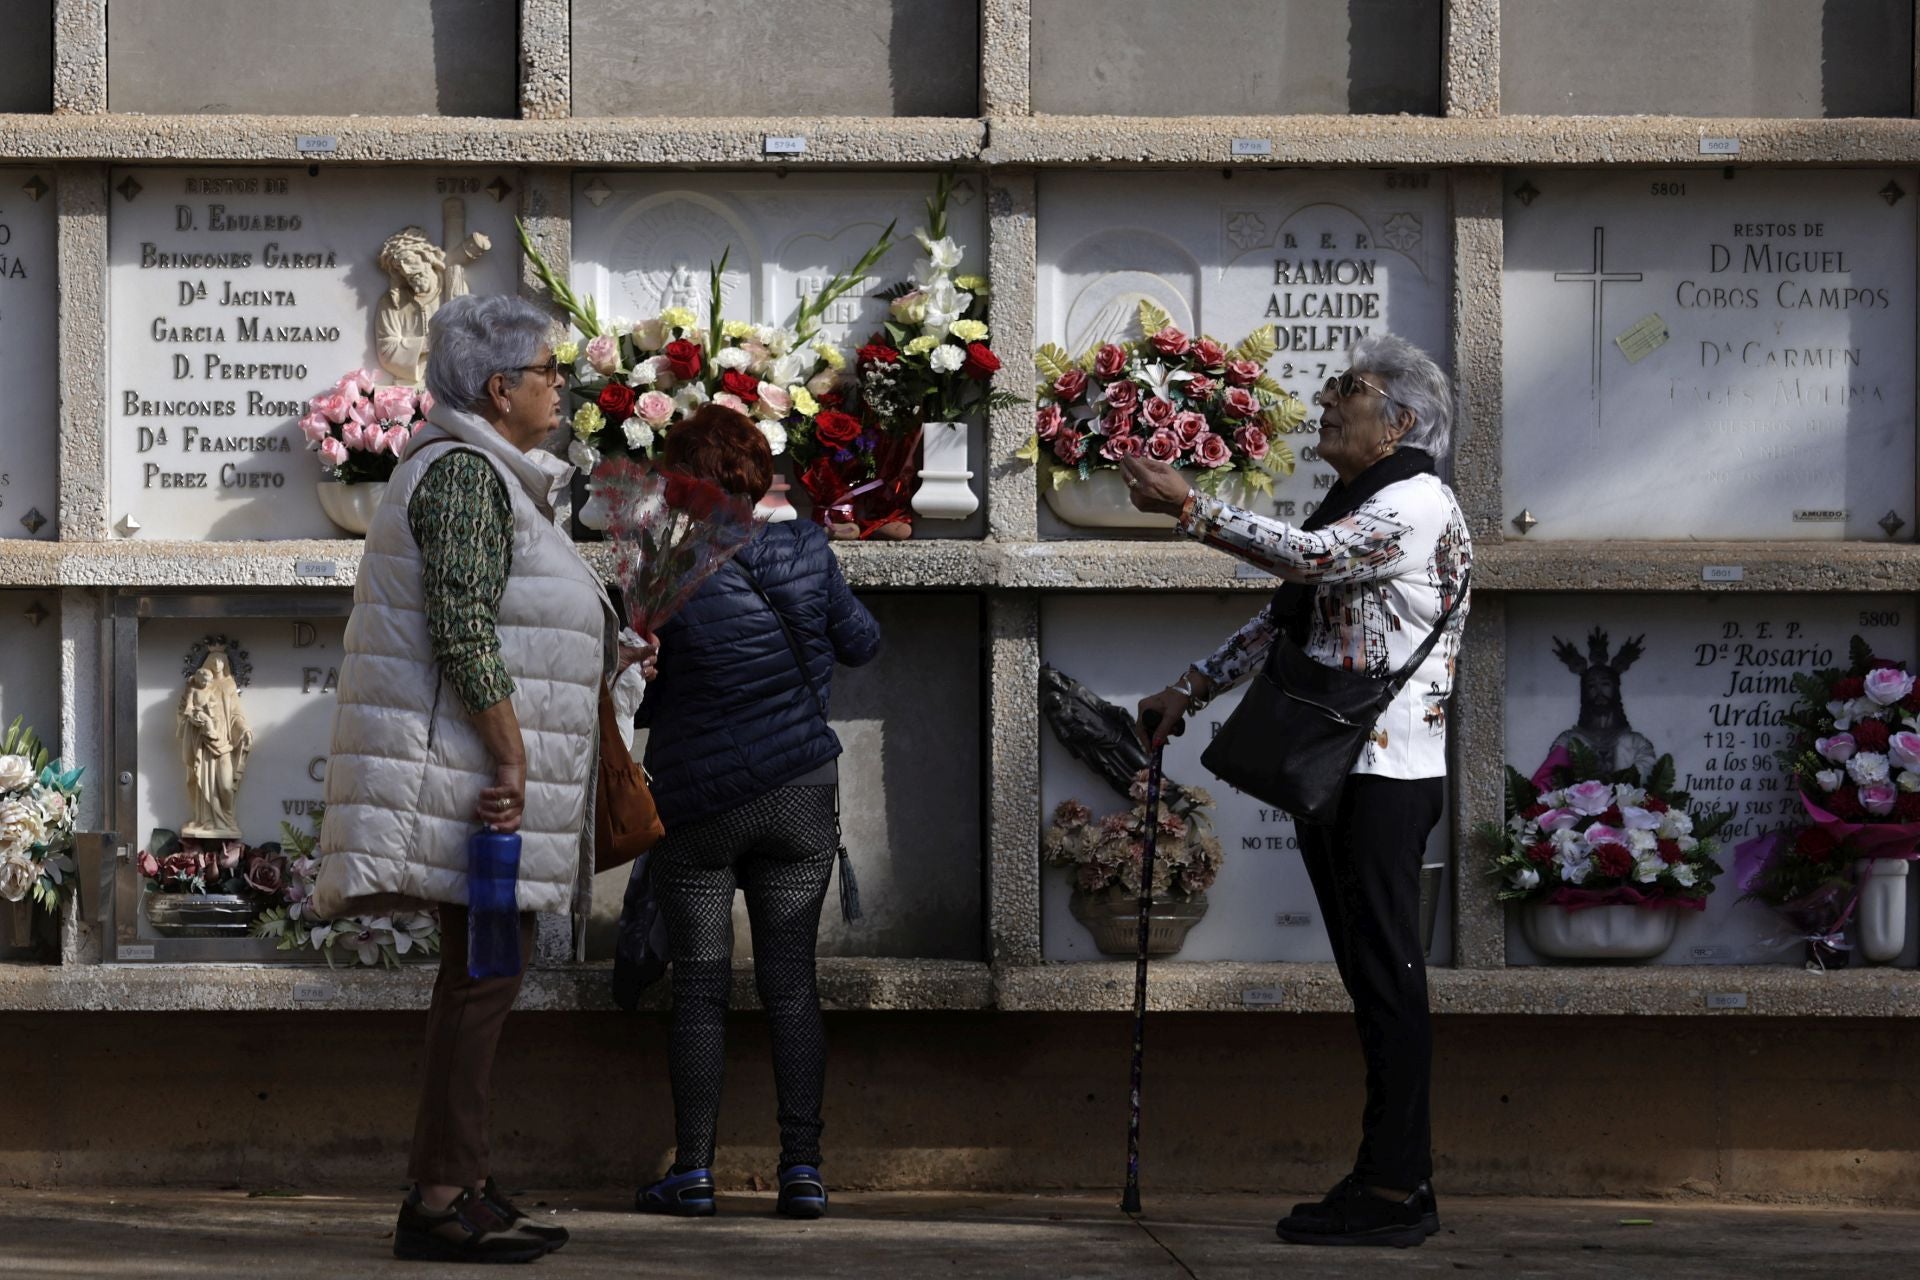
200	915
1880	920
1112	916
351	506
1598	933
775	508
946	489
19	938
595	512
1101	502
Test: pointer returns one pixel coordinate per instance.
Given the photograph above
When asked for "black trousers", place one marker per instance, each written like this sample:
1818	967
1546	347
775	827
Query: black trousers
1365	867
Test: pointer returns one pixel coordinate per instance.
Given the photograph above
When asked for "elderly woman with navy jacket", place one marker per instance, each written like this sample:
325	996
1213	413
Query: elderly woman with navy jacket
744	769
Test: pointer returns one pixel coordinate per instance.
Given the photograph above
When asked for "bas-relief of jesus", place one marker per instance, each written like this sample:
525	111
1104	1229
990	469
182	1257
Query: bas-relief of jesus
420	276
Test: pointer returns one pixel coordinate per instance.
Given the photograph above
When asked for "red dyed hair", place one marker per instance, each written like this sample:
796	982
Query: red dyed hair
719	444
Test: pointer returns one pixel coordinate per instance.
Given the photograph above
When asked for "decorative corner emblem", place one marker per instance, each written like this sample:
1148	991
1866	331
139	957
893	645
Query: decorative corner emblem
1525	521
1892	523
129	188
962	193
1527	193
499	189
36	613
1892	192
597	192
33	520
128	526
36	186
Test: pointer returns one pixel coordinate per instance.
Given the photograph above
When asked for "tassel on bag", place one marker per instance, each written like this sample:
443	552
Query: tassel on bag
849	889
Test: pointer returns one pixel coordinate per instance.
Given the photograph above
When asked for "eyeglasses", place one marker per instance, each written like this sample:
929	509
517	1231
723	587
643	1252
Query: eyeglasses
1347	385
551	369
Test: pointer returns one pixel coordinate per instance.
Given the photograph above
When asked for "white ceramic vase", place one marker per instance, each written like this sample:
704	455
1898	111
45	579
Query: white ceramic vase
946	488
1598	933
1100	502
1880	921
775	508
351	506
594	512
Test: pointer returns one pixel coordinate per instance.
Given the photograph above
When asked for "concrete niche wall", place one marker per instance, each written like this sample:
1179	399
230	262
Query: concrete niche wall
801	57
1707	57
287	57
26	57
1228	57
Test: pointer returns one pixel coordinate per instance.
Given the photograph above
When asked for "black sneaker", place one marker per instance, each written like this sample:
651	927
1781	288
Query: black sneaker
684	1195
468	1230
1429	1204
803	1193
554	1236
1359	1217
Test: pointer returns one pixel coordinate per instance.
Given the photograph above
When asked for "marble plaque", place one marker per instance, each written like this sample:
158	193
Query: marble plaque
1692	354
30	662
1262	906
1706	681
236	294
1324	258
288	670
29	365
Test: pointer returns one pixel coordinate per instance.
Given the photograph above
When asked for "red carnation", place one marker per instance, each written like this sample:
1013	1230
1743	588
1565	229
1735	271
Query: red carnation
1845	803
980	363
1614	860
1848	687
744	385
1816	844
1870	735
1540	854
1533	811
1612	817
1654	804
835	430
1670	851
616	400
1885	664
878	353
1907	807
683	358
1911	703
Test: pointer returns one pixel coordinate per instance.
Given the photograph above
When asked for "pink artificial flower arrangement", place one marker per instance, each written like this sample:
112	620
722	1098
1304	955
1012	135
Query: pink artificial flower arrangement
361	429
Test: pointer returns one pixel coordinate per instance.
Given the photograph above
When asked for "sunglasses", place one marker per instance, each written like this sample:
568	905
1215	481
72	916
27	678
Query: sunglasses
1348	384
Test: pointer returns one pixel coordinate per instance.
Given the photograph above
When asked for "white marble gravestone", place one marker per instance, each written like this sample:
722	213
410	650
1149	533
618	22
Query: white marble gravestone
235	296
1123	648
30	662
287	687
1708	685
29	364
1692	355
1324	258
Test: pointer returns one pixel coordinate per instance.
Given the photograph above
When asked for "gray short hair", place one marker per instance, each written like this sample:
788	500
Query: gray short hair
1412	381
473	337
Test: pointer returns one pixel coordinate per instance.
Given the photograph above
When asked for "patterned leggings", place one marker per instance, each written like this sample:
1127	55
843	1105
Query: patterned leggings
779	849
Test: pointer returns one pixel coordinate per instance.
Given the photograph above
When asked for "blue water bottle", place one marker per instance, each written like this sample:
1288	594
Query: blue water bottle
493	917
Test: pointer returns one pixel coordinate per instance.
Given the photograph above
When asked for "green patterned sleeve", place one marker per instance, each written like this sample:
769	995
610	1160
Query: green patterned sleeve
463	522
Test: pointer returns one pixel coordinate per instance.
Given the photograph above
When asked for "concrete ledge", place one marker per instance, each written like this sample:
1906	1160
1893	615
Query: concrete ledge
846	985
1781	991
830	140
1506	141
1517	565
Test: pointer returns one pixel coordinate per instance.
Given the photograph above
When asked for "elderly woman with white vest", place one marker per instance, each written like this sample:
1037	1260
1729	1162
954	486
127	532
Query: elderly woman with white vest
468	695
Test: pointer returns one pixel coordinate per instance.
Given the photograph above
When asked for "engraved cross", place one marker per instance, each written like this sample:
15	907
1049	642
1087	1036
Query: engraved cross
1597	278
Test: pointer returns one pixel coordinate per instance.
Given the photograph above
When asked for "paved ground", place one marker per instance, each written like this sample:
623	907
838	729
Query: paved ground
208	1234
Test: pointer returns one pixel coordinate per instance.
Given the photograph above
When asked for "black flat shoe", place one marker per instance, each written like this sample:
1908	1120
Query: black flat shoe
555	1237
1359	1217
468	1230
1429	1204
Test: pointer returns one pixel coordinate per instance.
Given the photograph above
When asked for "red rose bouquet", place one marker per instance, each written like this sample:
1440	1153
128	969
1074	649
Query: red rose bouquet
670	532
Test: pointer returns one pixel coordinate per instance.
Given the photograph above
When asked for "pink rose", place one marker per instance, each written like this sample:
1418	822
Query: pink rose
1904	750
1557	820
1211	450
426	403
362	412
1210	354
393	404
1252	441
1163	445
1069	446
603	353
1071	385
774	401
1110	360
1048	421
352	436
332	405
359	381
1878	798
1124	396
1239	402
1199	387
231	852
266	875
1600	833
1589	799
1170	342
1188	427
733	402
181	866
398	438
1157	413
333	453
149	865
1118	447
1839	748
316	428
1888	685
1243	373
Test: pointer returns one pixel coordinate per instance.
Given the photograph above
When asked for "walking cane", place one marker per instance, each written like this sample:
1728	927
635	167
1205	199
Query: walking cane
1130	1197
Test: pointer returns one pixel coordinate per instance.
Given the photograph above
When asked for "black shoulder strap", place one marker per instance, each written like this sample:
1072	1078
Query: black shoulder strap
793	646
1433	637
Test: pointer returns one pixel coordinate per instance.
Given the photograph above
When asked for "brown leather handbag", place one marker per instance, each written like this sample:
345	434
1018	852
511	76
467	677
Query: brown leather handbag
625	822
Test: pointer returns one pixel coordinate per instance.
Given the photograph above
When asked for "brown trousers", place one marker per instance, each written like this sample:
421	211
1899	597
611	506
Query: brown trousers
463	1030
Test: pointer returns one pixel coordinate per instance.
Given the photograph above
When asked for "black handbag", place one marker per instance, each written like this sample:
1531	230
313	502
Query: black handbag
1301	726
640	953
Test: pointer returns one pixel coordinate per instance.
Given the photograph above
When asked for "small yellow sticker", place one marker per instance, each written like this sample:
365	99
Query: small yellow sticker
1647	336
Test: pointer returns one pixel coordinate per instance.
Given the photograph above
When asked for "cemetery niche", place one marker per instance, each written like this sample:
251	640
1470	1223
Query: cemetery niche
29	363
1117	649
238	296
30	697
1323	259
1709	354
1709	683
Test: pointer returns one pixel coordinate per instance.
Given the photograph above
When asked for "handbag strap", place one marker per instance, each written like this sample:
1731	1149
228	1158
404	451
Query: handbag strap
1433	637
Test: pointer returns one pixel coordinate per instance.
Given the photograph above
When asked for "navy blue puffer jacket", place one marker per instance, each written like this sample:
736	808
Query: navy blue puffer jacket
728	715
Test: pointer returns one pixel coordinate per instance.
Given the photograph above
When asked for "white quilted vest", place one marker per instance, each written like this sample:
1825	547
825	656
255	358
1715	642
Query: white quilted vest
407	765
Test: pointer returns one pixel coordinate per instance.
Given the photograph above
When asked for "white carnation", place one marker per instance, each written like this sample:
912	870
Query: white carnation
1567	838
1675	823
1647	870
1867	767
639	434
15	772
1642	842
946	358
776	436
734	358
1687	843
1907	781
644	374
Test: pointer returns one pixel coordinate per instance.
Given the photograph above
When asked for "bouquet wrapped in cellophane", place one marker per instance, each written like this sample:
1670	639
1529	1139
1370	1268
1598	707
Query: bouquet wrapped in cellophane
670	532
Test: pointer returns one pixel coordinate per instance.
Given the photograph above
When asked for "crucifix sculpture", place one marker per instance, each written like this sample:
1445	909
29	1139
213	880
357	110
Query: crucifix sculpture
1597	279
